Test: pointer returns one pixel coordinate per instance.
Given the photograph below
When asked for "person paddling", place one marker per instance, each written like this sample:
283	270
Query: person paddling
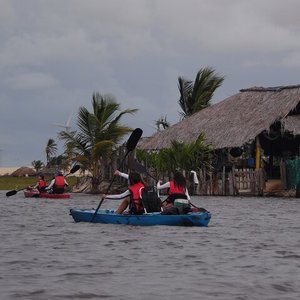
132	195
57	184
40	185
177	189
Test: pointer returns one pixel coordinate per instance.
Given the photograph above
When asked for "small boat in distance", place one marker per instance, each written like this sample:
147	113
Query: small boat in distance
37	194
107	216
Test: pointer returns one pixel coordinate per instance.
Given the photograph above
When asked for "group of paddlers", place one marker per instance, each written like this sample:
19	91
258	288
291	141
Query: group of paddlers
177	202
56	186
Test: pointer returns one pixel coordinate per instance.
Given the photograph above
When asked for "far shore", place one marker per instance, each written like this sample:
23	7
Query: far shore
7	170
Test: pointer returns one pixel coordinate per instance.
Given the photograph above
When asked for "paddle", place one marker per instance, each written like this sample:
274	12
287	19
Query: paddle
73	170
13	192
136	165
130	146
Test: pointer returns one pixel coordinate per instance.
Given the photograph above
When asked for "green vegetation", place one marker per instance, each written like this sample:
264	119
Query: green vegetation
94	143
197	95
179	156
11	183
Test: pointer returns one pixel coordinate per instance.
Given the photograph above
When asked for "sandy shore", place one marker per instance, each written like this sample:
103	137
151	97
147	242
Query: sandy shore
7	170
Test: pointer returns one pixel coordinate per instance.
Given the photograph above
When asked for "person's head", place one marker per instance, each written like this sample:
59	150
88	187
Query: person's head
58	173
134	178
41	177
179	179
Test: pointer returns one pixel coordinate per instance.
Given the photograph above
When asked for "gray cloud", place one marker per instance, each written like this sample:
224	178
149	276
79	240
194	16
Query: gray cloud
55	54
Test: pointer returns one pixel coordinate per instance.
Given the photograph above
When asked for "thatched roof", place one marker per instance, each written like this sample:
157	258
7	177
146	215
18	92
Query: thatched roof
236	120
292	124
24	171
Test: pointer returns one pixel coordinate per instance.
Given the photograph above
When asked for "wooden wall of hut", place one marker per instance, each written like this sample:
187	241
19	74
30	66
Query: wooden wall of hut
232	182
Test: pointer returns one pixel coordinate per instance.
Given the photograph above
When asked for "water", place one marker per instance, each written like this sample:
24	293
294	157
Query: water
251	250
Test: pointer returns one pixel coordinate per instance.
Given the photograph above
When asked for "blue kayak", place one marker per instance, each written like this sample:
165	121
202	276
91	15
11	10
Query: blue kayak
107	216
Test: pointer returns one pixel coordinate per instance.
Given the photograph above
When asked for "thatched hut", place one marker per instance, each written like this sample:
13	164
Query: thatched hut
268	118
24	171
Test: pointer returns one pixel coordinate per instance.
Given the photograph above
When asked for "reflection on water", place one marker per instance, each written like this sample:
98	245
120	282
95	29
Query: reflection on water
251	250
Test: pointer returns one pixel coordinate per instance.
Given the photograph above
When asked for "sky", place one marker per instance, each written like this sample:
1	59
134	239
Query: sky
55	54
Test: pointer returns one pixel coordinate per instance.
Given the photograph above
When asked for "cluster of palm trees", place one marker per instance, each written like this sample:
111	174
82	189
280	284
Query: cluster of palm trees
61	162
95	144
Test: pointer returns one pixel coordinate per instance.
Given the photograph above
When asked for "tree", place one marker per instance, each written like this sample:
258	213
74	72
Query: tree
37	164
197	95
51	149
162	123
98	133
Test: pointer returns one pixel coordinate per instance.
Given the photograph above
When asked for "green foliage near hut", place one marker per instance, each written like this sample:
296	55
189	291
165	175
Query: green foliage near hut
179	156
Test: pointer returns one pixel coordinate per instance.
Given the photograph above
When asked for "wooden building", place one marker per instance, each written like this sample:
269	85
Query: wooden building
253	132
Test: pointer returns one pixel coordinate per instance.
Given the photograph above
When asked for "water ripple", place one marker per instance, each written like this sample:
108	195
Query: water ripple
249	251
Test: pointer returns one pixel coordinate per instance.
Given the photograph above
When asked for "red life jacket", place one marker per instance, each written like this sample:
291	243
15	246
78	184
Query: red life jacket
59	182
136	206
42	184
175	189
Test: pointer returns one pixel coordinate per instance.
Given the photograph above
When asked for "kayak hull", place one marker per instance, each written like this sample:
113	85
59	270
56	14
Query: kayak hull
110	217
36	194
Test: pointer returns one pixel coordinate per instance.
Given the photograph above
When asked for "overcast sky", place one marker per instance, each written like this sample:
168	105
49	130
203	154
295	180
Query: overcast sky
55	54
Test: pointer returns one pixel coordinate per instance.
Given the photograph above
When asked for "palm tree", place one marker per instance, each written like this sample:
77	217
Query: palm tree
37	164
197	95
51	149
98	132
162	123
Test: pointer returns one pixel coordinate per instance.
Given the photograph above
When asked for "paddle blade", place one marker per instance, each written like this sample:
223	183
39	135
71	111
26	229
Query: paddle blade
133	139
74	169
11	193
136	165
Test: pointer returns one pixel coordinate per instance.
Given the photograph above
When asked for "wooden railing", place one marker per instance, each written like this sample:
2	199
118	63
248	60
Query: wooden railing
231	182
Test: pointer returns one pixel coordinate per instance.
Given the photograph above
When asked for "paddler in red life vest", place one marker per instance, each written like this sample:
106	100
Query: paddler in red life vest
40	185
177	189
132	196
58	184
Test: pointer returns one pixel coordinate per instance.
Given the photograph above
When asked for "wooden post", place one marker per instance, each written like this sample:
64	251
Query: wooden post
223	182
230	181
257	154
283	174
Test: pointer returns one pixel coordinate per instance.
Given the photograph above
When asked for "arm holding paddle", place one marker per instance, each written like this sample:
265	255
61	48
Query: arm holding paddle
130	146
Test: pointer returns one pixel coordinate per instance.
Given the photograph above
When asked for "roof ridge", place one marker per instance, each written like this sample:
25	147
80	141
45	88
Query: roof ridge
270	89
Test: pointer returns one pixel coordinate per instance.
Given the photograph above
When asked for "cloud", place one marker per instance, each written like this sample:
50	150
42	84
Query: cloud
292	60
55	54
31	80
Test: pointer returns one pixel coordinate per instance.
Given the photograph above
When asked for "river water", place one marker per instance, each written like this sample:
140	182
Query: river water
250	250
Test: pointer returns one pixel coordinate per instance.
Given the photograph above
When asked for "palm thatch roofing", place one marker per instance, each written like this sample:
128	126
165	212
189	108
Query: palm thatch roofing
236	120
24	171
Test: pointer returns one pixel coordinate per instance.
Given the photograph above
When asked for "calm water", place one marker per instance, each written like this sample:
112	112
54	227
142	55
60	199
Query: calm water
251	250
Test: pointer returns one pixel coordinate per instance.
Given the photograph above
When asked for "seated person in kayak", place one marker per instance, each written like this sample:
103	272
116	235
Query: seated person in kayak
57	184
177	189
40	185
132	196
